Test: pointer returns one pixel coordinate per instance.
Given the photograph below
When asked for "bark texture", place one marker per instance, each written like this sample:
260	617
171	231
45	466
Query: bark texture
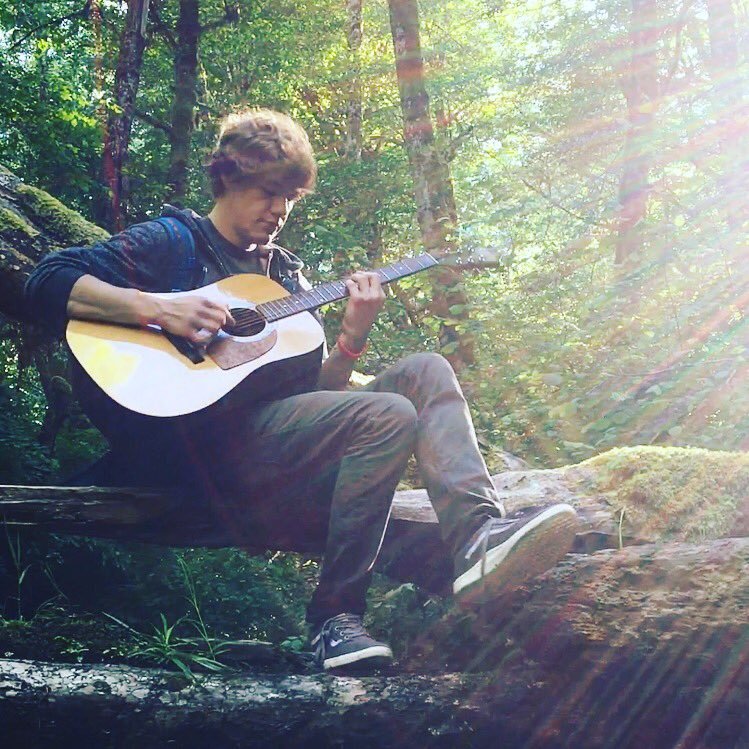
354	102
639	83
433	190
732	127
119	121
184	41
643	647
185	97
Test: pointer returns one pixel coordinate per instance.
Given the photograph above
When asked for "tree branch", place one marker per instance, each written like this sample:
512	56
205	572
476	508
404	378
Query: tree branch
154	122
455	143
556	204
162	27
82	13
413	312
231	15
475	264
680	23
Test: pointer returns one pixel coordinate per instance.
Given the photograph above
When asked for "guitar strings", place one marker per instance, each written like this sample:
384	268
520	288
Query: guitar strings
247	322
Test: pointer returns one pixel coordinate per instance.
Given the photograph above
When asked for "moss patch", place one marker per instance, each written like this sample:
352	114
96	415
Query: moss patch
673	493
13	224
56	636
62	223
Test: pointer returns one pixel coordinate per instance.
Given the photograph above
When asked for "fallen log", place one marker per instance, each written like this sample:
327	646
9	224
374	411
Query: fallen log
32	223
625	496
642	647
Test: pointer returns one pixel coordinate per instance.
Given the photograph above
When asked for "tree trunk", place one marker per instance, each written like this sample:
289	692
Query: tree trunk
639	83
57	393
732	117
185	97
433	191
644	647
354	103
117	136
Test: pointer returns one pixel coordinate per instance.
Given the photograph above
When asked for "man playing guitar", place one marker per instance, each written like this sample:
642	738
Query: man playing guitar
310	457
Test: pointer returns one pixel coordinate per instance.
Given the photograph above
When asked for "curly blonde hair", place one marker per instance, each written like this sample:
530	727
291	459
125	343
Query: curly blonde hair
261	147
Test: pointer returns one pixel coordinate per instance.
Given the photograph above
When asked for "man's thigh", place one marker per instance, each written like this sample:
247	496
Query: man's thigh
270	469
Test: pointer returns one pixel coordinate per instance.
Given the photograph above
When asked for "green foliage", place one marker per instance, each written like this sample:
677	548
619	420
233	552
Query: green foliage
22	458
163	647
19	566
49	132
55	634
591	358
238	597
402	614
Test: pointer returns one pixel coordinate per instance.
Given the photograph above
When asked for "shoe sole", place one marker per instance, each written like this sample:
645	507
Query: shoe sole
378	655
535	548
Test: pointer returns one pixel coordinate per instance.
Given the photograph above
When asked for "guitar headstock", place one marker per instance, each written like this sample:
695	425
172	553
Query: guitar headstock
476	257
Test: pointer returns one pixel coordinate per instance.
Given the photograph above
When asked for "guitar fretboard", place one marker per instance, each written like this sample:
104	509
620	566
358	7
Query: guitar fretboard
333	291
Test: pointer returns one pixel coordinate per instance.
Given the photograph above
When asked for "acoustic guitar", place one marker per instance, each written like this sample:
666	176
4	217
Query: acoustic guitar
152	372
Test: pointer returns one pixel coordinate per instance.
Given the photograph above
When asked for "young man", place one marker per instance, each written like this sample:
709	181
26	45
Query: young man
310	459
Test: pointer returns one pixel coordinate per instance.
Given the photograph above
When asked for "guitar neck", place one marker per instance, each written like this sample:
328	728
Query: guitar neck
333	291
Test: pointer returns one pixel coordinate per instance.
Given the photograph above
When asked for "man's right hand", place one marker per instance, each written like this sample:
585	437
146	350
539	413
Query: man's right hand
193	317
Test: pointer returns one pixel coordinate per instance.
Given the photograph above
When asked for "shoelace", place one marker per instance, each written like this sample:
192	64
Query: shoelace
493	525
347	625
482	540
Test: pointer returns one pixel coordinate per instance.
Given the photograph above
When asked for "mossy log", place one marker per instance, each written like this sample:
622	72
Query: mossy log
624	496
631	495
32	223
642	647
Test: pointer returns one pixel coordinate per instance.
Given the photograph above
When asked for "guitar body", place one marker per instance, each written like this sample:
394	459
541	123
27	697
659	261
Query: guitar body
140	369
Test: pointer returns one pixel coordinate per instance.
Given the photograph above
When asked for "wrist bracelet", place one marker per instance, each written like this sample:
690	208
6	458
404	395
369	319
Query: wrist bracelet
347	352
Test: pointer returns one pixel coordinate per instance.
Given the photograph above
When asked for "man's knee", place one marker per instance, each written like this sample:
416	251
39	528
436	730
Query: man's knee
428	365
400	412
390	414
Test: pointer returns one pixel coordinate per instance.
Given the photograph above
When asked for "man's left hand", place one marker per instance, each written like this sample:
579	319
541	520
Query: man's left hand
366	298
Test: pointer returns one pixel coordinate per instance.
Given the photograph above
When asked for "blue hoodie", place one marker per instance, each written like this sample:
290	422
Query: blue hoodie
166	254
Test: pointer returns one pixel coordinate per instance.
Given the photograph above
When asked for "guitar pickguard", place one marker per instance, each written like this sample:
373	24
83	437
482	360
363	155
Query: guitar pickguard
228	352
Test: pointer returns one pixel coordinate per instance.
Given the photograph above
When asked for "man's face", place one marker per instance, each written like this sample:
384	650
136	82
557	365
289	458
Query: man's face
257	214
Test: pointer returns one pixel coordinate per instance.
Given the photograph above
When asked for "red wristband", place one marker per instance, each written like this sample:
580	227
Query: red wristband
347	352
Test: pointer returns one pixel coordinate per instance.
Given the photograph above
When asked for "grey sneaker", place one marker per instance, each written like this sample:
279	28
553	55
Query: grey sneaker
342	641
507	552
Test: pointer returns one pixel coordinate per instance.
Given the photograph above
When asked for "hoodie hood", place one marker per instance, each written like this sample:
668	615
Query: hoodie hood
283	262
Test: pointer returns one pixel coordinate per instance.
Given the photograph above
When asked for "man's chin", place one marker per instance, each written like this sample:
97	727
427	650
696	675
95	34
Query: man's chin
267	236
260	239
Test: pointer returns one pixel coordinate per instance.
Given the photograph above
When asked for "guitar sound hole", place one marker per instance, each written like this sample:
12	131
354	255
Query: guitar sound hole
247	322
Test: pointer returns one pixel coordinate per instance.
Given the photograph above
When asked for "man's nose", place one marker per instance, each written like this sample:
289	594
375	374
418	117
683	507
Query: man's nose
279	206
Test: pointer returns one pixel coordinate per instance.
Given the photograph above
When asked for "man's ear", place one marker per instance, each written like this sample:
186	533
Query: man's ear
227	187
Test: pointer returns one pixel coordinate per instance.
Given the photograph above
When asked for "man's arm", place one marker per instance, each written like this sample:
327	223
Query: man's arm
366	298
192	317
101	282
